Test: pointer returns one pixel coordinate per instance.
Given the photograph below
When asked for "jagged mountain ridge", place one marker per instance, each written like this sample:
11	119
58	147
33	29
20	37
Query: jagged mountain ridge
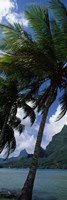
23	154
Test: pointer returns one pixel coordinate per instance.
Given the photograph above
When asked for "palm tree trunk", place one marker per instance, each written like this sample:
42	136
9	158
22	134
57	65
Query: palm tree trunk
4	125
26	193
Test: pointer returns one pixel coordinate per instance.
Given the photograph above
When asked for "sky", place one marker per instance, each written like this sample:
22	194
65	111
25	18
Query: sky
13	11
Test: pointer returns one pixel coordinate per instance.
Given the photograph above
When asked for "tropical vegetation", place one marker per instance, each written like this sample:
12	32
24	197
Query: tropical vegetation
53	157
13	82
11	99
44	54
50	38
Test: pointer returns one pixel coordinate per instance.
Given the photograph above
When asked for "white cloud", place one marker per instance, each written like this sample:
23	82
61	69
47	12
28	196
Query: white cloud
54	127
14	17
28	138
24	141
6	7
8	11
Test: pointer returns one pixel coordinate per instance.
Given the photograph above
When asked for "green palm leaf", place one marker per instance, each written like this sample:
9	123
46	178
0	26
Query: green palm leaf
59	40
29	112
20	128
39	21
63	103
60	13
8	142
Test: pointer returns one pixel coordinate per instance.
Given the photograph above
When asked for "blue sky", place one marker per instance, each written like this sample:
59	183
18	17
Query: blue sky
13	11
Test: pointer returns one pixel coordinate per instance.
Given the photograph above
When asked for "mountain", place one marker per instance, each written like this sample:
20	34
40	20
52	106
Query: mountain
54	156
23	154
56	151
43	153
58	142
18	159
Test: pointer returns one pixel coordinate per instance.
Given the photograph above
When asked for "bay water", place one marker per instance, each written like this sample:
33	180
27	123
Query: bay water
49	184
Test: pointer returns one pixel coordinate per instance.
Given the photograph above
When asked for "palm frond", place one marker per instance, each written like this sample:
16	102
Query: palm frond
60	13
9	148
21	128
41	100
12	118
7	142
59	40
29	112
33	90
65	71
39	21
12	63
14	121
63	103
14	38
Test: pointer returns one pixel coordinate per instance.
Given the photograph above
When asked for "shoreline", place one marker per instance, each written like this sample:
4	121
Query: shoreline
8	195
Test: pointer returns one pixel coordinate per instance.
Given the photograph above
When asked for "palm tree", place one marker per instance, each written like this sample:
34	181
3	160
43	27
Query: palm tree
14	44
50	60
11	99
40	58
15	65
18	76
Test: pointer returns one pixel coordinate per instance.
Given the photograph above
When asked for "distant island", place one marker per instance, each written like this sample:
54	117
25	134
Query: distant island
53	157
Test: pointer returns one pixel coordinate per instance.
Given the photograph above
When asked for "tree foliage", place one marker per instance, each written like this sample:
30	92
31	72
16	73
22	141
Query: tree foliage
36	62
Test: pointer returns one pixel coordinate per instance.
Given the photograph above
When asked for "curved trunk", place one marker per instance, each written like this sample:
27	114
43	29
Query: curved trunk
4	125
26	193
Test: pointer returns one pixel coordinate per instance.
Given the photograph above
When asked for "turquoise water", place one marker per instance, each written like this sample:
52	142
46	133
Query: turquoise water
49	184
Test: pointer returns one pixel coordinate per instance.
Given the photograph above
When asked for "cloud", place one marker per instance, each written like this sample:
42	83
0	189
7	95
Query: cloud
28	138
24	141
53	127
14	17
6	7
9	12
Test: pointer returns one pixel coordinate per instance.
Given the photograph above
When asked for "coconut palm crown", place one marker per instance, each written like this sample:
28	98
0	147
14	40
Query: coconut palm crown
50	58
